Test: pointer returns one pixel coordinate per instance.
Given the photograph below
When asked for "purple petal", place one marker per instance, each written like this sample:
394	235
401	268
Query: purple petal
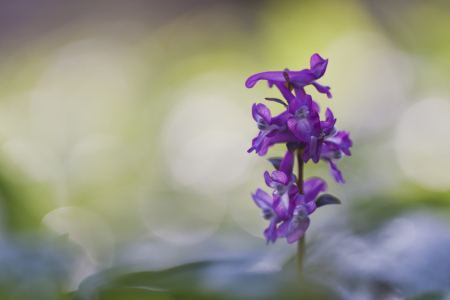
295	104
299	199
314	120
312	187
298	232
283	229
272	133
269	180
281	119
282	206
285	91
300	93
297	78
255	116
329	115
298	129
318	65
262	199
264	112
335	172
315	107
279	177
310	207
322	89
284	137
307	100
287	163
315	152
271	232
340	140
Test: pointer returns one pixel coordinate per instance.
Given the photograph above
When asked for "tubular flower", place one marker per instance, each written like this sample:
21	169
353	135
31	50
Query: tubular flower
314	148
267	125
298	79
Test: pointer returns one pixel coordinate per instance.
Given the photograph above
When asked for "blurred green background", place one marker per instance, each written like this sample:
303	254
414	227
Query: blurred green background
124	128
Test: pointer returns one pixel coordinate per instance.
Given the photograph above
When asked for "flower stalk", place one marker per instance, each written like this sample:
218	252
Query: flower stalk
301	241
293	199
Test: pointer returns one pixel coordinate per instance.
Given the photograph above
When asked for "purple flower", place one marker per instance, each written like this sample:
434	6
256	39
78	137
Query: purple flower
330	157
334	149
298	79
282	182
265	202
314	148
340	141
303	122
267	125
293	228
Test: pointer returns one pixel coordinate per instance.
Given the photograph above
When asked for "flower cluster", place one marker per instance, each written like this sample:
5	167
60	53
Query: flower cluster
305	135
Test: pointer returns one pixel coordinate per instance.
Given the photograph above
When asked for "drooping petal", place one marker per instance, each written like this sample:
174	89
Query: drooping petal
335	172
318	65
312	187
271	232
322	89
262	199
280	177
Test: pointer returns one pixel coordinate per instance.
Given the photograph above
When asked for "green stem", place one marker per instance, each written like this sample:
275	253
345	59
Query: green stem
301	241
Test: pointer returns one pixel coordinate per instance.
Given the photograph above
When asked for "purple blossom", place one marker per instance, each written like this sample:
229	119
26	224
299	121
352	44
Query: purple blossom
293	228
298	79
265	202
334	149
341	140
314	148
267	125
303	121
282	182
331	157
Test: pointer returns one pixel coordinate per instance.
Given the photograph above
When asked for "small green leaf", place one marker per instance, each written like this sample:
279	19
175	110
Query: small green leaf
276	162
327	199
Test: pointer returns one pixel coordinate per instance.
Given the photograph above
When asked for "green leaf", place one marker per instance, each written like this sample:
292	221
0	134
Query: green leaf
327	199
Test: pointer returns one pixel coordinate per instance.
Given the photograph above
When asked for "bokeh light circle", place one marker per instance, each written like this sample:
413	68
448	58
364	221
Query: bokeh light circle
422	143
182	219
